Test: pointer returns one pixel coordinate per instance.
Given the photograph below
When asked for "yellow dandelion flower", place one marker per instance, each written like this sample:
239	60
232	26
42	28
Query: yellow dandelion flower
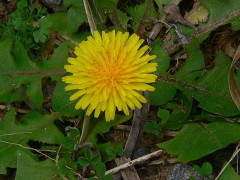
108	72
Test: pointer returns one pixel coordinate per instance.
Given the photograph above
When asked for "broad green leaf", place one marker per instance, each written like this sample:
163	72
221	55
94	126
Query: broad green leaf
34	126
18	71
229	174
58	21
216	7
29	169
214	95
163	93
61	102
77	10
162	59
198	140
191	68
123	18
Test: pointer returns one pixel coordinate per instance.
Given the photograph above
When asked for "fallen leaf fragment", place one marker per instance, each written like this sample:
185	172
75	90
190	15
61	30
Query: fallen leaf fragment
198	14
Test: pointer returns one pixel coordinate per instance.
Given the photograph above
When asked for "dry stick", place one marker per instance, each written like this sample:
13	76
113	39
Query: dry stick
200	32
133	162
3	107
230	160
89	16
40	152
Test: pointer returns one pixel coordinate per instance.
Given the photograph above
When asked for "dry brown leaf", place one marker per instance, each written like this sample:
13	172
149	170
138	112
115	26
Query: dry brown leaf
198	14
233	85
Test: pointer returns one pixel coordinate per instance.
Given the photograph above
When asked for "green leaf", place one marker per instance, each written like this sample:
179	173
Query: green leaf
189	72
229	174
162	59
22	4
100	169
215	97
163	93
83	162
58	21
62	167
28	168
41	35
164	115
35	126
123	18
206	169
77	10
139	11
201	140
96	159
180	110
100	126
154	128
88	154
18	71
105	7
109	150
68	142
61	102
215	7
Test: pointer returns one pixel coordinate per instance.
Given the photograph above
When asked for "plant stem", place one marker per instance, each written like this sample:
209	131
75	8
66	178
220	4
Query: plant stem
85	129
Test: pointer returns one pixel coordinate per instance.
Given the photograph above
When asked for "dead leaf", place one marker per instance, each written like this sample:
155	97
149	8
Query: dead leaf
198	14
173	15
233	85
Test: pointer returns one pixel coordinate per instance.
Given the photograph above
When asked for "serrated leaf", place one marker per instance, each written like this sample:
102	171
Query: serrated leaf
201	140
76	11
29	169
215	7
18	71
35	126
61	102
216	96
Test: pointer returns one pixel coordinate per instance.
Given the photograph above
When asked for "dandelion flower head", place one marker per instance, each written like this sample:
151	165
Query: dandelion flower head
108	72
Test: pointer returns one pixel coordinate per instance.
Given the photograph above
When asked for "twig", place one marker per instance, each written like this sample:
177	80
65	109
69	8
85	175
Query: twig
45	155
3	107
69	39
166	161
33	149
74	172
128	128
133	162
230	160
89	16
12	134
